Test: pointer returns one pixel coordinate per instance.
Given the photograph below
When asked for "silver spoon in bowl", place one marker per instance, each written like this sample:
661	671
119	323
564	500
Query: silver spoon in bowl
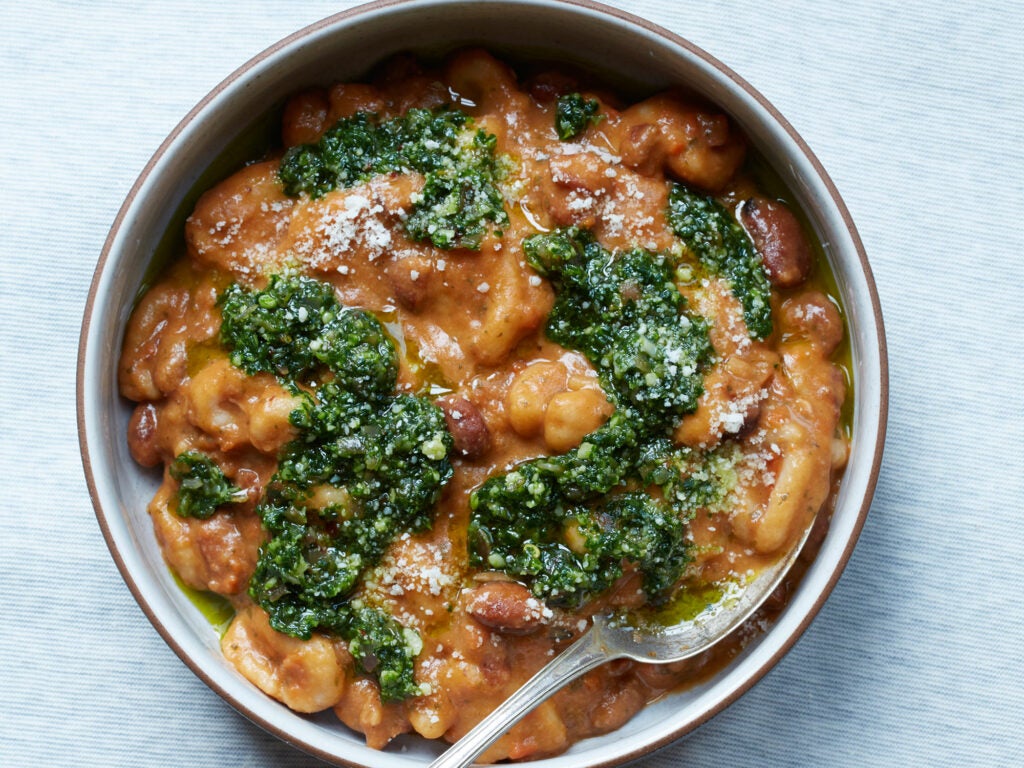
609	638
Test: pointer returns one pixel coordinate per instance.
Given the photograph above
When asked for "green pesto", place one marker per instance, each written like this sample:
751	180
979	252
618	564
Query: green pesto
386	456
723	248
573	114
460	196
690	479
625	314
202	486
521	519
381	644
295	326
528	522
533	547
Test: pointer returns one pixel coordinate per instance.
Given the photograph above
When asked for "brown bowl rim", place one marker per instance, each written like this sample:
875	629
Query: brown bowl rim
673	38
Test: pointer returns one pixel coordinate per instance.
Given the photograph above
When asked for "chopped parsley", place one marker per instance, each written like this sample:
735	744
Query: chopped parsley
202	486
573	114
460	196
381	458
723	248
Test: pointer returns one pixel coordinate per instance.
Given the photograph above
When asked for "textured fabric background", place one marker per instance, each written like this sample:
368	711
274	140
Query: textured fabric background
914	106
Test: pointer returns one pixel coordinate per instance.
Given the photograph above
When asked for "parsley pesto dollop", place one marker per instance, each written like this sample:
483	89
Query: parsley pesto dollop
624	312
573	114
460	196
368	466
202	486
562	523
723	248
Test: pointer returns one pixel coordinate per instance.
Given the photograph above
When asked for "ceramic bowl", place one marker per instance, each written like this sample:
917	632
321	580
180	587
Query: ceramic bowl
617	47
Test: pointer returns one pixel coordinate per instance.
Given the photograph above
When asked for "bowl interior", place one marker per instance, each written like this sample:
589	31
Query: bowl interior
625	53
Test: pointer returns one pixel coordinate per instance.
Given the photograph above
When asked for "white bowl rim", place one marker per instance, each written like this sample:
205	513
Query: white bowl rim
877	440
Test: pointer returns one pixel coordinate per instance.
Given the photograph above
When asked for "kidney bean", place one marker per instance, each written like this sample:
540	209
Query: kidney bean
142	435
548	86
469	430
506	607
777	235
305	118
715	128
410	280
640	148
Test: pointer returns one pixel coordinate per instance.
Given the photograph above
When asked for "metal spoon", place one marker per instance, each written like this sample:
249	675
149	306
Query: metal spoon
609	638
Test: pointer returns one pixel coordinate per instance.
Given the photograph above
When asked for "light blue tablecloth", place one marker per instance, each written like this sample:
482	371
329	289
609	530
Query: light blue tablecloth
914	107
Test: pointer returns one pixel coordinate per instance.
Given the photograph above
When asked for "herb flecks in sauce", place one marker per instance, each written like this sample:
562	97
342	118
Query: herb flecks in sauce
368	466
573	114
202	486
723	248
460	196
550	521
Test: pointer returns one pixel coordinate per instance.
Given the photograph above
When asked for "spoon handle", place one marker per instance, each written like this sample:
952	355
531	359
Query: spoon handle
583	655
